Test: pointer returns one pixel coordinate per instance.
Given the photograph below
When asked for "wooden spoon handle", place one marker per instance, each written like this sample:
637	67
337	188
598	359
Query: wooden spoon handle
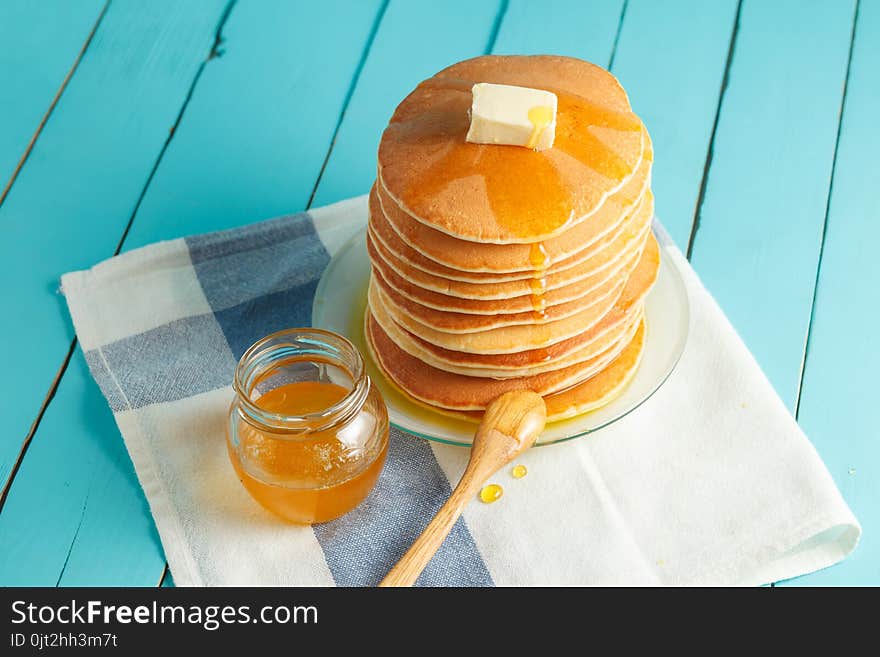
411	564
510	425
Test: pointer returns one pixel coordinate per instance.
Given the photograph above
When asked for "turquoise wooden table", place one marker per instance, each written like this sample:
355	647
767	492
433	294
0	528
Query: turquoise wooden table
126	122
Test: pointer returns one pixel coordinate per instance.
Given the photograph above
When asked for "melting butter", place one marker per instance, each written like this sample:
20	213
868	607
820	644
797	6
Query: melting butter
511	115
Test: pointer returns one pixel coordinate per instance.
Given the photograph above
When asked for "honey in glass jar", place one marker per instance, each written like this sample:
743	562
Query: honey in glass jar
307	431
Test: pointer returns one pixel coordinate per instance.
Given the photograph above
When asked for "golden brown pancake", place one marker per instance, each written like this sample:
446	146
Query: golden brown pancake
599	351
498	268
627	306
454	392
504	339
535	256
525	303
614	322
631	238
454	322
467	392
567	249
503	195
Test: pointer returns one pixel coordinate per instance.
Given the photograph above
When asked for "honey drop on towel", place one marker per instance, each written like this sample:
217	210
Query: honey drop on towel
490	493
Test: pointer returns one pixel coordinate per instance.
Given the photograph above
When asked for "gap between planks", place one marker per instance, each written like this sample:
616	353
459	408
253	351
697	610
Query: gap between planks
52	104
617	34
710	152
496	26
806	354
377	22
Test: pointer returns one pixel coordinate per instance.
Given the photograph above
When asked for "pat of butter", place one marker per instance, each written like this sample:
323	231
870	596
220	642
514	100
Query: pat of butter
517	116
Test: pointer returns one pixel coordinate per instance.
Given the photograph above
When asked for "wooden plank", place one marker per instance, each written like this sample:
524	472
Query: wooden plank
260	156
41	43
62	214
399	59
671	58
760	225
241	157
66	211
561	27
837	404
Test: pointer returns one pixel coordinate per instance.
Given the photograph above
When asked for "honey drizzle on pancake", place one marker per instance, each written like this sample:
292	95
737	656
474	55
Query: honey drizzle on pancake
540	117
539	303
538	256
538	259
527	194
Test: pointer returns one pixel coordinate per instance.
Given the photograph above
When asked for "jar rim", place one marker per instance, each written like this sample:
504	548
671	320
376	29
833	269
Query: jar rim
334	348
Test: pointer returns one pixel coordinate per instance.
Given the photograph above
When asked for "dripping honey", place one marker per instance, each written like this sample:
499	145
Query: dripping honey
538	255
538	260
540	117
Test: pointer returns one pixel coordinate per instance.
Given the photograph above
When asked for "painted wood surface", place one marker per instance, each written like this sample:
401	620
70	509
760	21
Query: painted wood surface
40	46
63	212
671	58
257	132
565	27
67	210
759	229
838	400
399	58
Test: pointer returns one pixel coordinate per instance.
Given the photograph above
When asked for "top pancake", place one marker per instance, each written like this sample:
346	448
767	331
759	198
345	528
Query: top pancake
508	194
438	252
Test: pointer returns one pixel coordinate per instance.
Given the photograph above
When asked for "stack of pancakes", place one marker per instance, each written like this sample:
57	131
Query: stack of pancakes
497	268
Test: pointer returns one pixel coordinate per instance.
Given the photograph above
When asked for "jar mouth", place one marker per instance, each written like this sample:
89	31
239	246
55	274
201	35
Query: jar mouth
300	345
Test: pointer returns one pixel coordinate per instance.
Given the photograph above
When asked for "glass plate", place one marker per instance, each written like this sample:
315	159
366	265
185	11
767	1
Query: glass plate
340	301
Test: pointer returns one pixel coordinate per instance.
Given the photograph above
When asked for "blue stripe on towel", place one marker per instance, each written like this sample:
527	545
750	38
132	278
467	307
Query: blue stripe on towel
251	320
160	366
361	547
262	278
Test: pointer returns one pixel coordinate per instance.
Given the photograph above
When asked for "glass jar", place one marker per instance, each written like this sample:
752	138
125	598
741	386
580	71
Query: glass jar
307	431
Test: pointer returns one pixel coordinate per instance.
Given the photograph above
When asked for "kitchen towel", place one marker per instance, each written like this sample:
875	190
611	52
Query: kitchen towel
710	482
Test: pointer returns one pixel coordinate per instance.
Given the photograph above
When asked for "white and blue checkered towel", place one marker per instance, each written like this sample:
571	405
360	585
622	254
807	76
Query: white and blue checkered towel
710	482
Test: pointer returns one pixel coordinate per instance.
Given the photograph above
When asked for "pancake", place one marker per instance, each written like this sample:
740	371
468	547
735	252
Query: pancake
627	306
504	339
570	293
502	195
455	322
600	350
630	238
451	253
531	257
467	392
498	268
459	394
